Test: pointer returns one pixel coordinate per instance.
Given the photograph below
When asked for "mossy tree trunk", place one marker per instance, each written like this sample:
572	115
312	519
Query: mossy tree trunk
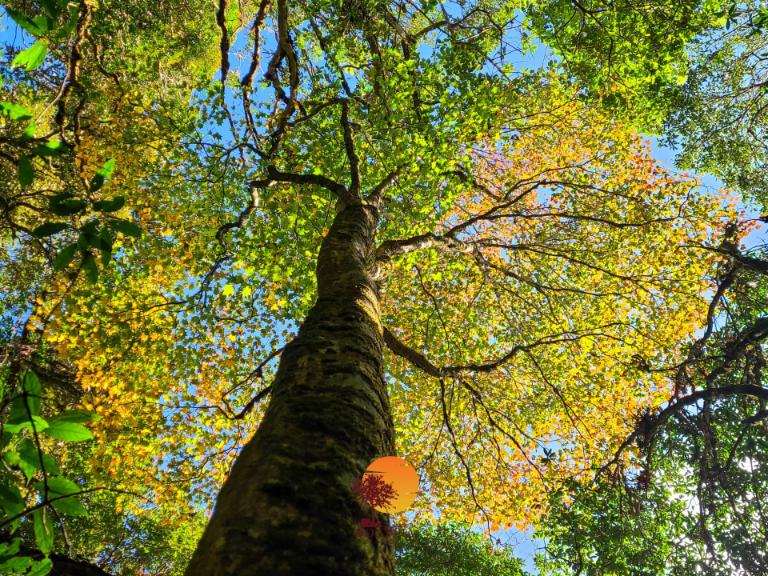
288	507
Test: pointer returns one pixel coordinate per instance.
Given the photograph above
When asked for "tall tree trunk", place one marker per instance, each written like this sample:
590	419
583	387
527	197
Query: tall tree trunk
288	507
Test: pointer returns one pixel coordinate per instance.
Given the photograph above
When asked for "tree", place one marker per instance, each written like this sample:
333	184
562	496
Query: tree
451	548
719	117
688	491
632	57
391	194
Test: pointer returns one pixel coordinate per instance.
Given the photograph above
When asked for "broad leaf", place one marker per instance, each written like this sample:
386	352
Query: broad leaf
32	57
49	229
67	431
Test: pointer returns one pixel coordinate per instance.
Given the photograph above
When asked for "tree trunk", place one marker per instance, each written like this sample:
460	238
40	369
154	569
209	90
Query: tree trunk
288	507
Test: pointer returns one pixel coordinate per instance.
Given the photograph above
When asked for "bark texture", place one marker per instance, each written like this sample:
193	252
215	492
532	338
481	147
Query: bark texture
288	507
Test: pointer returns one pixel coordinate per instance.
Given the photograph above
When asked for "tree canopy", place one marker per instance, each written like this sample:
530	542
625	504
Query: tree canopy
256	245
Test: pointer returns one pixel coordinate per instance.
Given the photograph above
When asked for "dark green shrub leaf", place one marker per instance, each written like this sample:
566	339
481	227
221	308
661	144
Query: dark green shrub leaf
64	257
110	205
43	528
89	265
127	228
49	229
26	172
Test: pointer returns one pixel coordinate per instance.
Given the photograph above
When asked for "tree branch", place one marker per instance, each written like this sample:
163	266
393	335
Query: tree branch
316	179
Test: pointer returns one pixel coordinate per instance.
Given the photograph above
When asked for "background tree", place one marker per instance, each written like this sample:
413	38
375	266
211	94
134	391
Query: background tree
691	497
451	548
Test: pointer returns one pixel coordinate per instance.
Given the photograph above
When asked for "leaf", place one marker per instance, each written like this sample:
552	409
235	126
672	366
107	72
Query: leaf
39	425
102	174
60	485
64	257
91	270
66	204
41	568
31	26
77	416
127	228
49	229
16	565
29	453
67	431
31	385
228	290
51	149
110	205
14	111
71	506
26	172
107	168
10	500
18	412
32	57
29	131
31	457
8	549
43	528
11	457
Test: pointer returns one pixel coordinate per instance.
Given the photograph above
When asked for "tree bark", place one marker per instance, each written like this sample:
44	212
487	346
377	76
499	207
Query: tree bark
288	507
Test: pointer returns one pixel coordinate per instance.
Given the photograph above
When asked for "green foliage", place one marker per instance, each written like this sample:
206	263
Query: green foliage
451	549
32	489
720	116
690	499
631	56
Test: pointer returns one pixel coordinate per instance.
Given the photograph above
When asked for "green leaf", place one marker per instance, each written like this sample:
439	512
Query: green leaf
71	506
110	205
41	568
64	257
14	111
31	385
31	456
43	528
66	204
29	131
91	270
127	228
29	453
26	172
102	174
49	229
31	26
32	57
16	565
10	500
18	412
51	149
38	422
11	457
67	431
107	168
77	416
60	485
9	549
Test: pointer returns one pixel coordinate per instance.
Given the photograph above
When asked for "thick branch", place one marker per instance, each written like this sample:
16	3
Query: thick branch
221	21
349	146
420	361
316	179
